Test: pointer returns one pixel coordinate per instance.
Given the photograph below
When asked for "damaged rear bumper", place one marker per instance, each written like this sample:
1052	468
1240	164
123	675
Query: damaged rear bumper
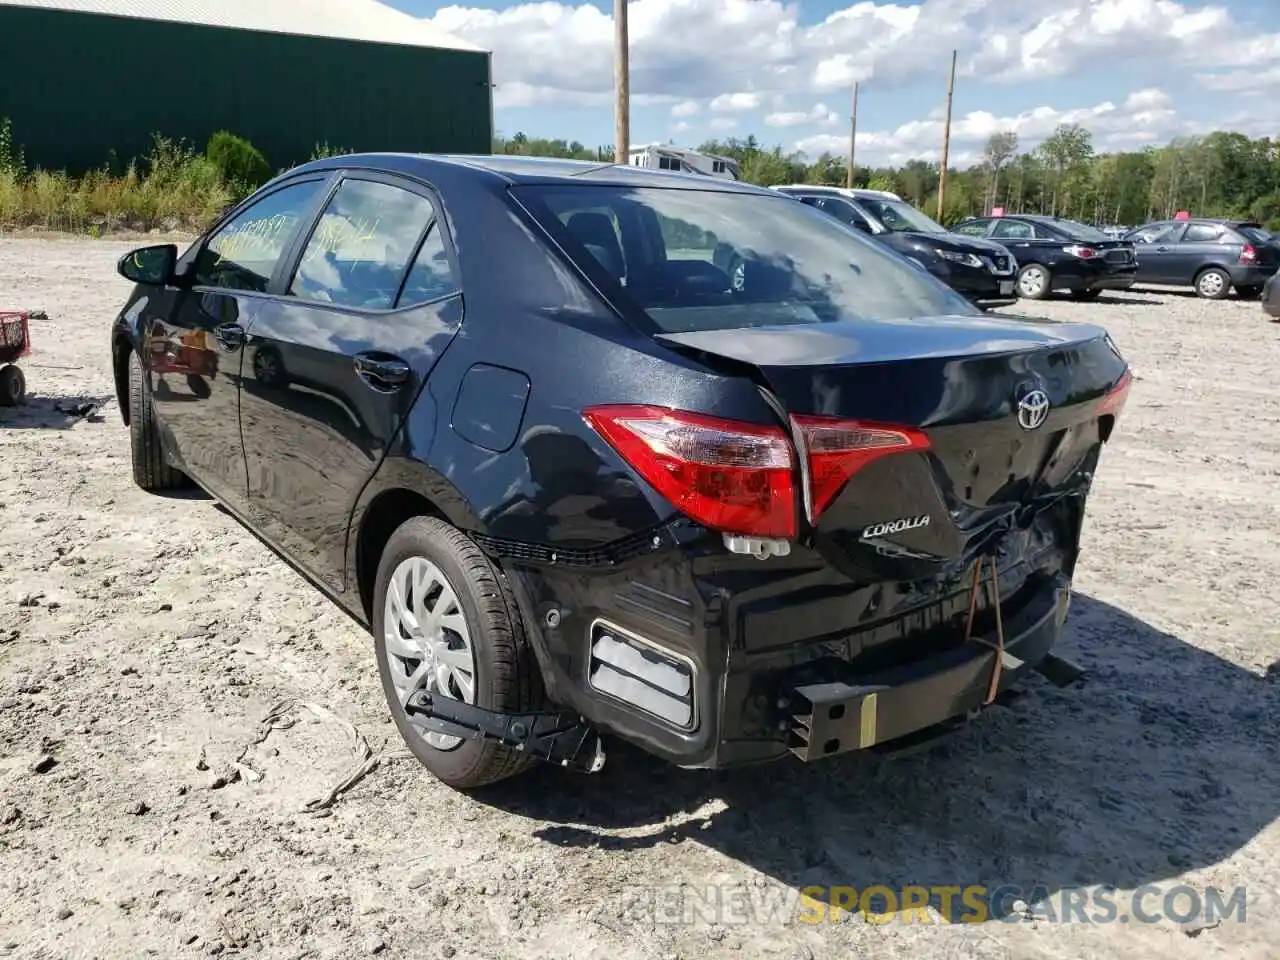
839	716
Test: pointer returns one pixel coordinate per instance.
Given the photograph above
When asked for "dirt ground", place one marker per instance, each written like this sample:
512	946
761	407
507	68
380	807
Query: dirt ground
149	644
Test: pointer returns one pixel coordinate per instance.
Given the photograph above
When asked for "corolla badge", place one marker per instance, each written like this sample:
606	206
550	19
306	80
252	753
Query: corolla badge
1033	408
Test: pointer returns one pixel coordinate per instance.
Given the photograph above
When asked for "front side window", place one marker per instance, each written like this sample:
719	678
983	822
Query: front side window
1157	233
361	246
707	259
243	253
1203	233
1012	230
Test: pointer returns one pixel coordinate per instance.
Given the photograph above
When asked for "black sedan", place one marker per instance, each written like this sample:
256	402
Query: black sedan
576	478
1054	254
1210	256
981	270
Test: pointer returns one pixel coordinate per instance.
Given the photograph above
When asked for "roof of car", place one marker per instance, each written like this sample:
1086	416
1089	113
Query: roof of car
530	170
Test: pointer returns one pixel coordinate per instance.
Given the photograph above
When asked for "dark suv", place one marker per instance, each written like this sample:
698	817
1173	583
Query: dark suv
984	272
1058	254
1210	255
575	477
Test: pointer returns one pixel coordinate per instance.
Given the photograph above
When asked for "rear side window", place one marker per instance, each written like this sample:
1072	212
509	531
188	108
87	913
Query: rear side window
703	259
431	277
1204	233
1254	234
361	246
243	253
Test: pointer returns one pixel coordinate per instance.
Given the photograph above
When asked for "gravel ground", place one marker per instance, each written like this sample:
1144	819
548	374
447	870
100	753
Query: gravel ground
149	644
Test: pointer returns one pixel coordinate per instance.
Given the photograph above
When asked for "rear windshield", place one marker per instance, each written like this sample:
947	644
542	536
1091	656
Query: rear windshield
1077	230
1254	234
707	259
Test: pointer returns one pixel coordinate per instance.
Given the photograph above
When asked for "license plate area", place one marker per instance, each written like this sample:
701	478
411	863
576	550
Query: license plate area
1006	288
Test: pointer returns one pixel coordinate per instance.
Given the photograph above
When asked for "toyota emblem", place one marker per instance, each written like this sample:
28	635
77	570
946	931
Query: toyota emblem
1033	409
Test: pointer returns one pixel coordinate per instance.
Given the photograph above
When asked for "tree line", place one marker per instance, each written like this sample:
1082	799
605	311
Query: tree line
1222	174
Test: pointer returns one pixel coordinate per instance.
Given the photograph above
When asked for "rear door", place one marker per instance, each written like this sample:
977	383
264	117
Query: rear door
334	363
1201	245
194	349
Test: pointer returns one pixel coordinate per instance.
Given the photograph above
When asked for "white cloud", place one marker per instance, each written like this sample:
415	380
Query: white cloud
821	115
680	127
1145	116
735	103
724	123
1243	81
706	50
686	108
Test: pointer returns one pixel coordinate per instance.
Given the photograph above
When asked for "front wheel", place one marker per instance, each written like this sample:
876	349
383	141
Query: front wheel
1034	282
151	471
445	621
1213	284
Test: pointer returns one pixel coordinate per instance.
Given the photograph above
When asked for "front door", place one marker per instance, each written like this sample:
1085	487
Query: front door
334	362
1156	253
194	350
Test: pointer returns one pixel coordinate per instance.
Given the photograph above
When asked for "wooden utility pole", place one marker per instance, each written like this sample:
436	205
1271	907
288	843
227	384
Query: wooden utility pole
621	84
946	139
853	137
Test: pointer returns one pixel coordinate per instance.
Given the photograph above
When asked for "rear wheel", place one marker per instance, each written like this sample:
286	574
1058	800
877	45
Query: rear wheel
1213	283
1034	282
444	621
13	387
150	469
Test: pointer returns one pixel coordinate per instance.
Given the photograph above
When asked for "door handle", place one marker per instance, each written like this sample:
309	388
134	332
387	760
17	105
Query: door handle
229	335
1162	249
383	373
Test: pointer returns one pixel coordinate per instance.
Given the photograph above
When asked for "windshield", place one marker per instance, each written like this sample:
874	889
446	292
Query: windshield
705	259
1077	230
900	217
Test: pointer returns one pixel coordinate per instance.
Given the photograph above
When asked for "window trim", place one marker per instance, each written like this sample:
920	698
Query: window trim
306	221
427	192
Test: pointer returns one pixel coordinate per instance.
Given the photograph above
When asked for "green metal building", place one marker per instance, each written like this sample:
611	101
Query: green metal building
85	80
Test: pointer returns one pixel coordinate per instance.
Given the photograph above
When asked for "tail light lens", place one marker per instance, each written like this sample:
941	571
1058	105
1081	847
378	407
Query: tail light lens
730	476
1248	254
1113	401
837	449
1084	253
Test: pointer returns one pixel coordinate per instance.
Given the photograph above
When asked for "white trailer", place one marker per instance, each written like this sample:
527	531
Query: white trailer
664	156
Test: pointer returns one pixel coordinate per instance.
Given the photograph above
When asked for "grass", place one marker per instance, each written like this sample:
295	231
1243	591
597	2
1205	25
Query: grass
173	188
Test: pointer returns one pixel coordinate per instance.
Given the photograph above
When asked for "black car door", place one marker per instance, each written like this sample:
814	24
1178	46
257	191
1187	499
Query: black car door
335	361
193	348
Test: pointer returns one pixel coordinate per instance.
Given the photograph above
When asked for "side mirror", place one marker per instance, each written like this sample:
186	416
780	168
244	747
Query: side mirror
150	265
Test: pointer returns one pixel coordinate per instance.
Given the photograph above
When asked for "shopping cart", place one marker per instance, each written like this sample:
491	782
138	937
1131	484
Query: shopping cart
15	343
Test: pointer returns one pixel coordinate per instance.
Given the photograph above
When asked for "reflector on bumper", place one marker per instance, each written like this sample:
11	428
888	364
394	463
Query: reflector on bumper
641	673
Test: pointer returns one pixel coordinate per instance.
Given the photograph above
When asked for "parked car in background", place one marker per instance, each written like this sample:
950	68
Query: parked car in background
817	505
1054	253
980	270
1210	255
1271	297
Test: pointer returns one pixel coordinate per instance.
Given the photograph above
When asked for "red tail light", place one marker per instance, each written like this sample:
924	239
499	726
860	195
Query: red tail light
1113	401
838	449
729	476
1248	254
1084	253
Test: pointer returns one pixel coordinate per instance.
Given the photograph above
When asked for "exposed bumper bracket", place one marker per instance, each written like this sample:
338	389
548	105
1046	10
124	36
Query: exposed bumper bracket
558	737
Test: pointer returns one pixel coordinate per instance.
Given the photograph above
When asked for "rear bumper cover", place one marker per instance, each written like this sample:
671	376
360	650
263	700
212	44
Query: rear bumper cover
1250	276
763	658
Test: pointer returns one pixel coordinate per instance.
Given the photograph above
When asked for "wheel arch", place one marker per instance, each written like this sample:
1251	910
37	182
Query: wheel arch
400	490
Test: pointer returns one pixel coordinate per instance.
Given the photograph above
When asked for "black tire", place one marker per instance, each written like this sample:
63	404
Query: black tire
151	471
506	671
1213	283
1027	288
13	387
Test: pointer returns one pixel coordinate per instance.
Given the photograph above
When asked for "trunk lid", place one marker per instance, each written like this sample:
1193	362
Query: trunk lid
1009	408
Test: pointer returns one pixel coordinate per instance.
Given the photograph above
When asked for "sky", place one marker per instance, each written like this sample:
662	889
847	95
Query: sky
1135	72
